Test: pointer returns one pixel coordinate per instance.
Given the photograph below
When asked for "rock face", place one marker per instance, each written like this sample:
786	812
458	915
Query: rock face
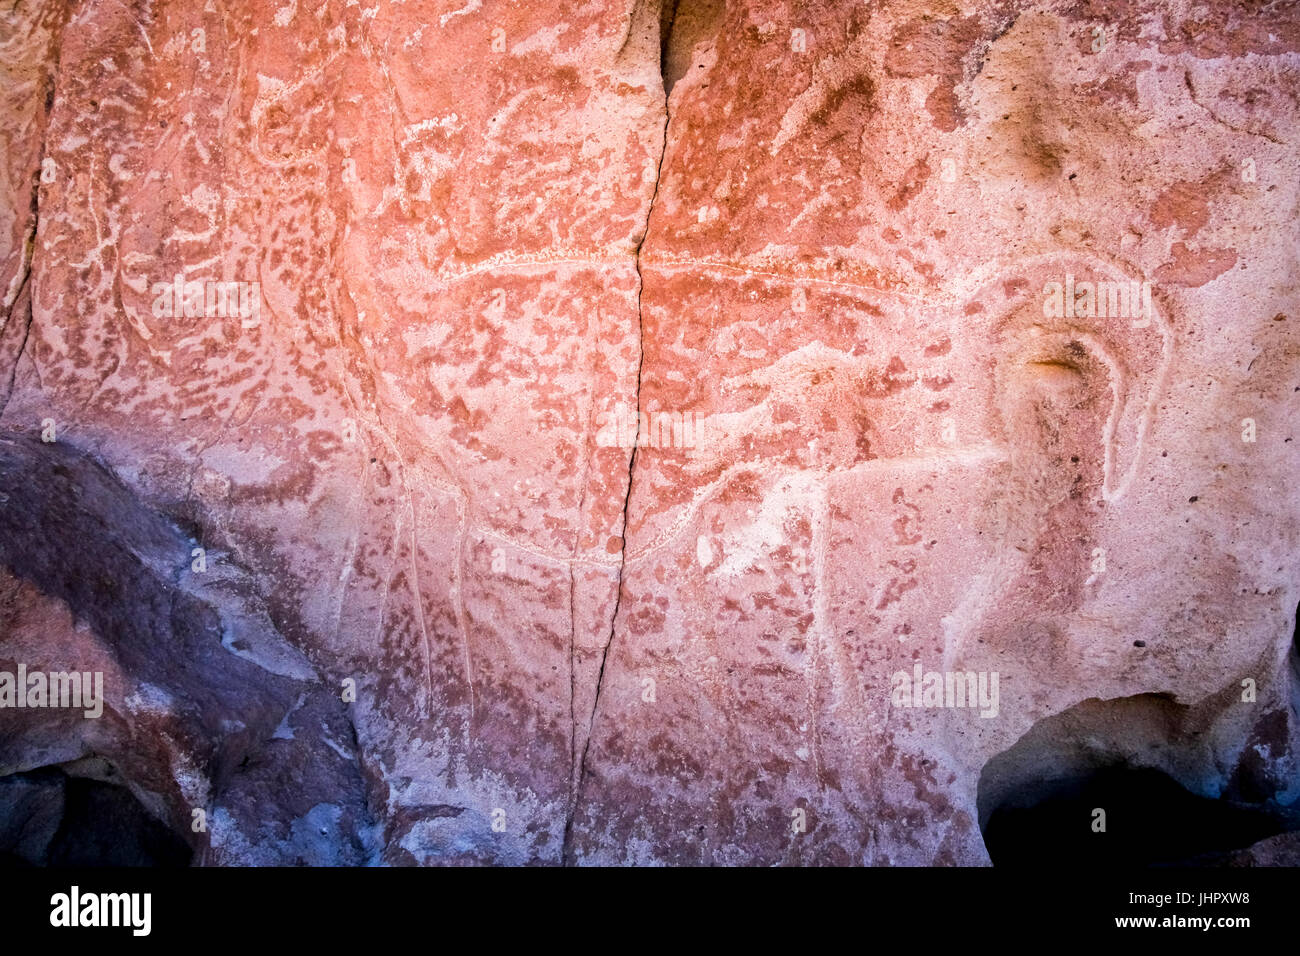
649	432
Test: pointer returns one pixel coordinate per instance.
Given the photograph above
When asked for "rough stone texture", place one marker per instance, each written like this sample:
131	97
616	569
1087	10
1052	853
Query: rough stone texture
479	228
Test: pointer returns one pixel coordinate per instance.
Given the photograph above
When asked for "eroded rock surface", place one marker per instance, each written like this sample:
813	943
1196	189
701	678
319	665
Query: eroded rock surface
363	303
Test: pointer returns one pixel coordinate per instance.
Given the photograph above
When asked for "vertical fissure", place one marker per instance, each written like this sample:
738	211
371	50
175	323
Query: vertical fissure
667	18
24	285
28	266
371	825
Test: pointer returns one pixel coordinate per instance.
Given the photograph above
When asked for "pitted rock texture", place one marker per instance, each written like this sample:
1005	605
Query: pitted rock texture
454	608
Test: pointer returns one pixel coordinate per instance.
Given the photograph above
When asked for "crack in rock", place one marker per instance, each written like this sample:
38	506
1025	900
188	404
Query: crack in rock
666	25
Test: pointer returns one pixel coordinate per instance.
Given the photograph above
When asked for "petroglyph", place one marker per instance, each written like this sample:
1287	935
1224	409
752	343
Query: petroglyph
845	243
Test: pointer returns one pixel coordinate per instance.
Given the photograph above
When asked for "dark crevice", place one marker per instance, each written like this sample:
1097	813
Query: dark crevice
667	16
29	265
22	347
29	251
683	24
1295	632
23	298
370	822
665	26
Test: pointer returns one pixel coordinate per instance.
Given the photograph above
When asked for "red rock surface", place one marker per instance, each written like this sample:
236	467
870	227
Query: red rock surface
815	237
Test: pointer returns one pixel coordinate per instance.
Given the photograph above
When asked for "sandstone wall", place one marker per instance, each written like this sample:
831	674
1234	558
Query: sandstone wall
812	244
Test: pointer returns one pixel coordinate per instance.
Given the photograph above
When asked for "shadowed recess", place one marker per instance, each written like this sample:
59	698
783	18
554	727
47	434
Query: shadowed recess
53	819
1149	818
1101	784
682	25
75	533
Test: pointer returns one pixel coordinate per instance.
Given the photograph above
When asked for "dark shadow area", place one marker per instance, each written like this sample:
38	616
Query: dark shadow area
104	825
72	532
1150	820
48	818
1142	760
683	24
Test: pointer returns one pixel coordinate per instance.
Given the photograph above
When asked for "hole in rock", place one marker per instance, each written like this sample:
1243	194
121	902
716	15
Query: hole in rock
48	818
1150	819
682	25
